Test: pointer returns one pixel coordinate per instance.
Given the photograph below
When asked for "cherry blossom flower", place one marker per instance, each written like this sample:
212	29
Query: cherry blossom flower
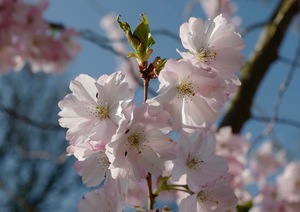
289	183
101	200
41	56
137	193
196	159
226	7
138	147
235	148
94	169
29	39
268	199
213	44
219	197
94	109
191	95
266	161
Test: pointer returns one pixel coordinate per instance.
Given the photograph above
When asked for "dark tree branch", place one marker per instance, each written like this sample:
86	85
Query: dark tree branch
166	33
250	28
42	125
288	61
42	155
253	72
265	119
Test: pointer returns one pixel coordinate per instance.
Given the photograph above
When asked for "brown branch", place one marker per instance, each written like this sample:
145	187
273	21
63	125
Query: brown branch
253	72
285	121
42	155
245	32
288	61
42	125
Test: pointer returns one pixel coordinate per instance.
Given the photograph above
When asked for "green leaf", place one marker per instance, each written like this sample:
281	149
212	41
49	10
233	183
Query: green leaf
124	25
142	32
245	207
141	39
131	54
127	30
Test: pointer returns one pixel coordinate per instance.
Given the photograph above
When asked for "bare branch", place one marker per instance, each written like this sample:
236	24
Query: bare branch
283	87
265	119
166	33
244	32
42	125
288	61
258	65
42	155
285	84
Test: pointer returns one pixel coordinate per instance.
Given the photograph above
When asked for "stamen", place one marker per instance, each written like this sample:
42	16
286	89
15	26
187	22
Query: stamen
186	89
206	55
193	162
136	141
102	160
102	111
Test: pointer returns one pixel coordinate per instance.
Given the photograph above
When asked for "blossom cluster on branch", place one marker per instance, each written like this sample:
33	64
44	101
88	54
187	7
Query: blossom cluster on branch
29	38
127	147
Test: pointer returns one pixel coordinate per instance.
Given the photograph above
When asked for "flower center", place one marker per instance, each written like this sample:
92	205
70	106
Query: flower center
193	163
205	196
102	160
185	89
206	55
102	111
135	141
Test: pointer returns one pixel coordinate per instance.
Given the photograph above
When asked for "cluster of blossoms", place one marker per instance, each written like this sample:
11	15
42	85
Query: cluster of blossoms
28	38
117	144
127	148
120	143
263	165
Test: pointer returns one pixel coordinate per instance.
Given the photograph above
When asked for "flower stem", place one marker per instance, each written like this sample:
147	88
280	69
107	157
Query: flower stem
146	78
151	195
146	86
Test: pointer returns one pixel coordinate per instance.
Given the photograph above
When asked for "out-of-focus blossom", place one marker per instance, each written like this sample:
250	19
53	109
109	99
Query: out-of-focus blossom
235	147
289	183
227	8
266	161
26	38
268	199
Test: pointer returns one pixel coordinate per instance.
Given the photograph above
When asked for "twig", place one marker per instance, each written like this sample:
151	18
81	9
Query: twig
42	125
265	119
253	72
244	32
288	61
283	87
42	155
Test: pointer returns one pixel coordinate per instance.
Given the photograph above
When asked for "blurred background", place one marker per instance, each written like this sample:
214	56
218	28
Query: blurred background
36	174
